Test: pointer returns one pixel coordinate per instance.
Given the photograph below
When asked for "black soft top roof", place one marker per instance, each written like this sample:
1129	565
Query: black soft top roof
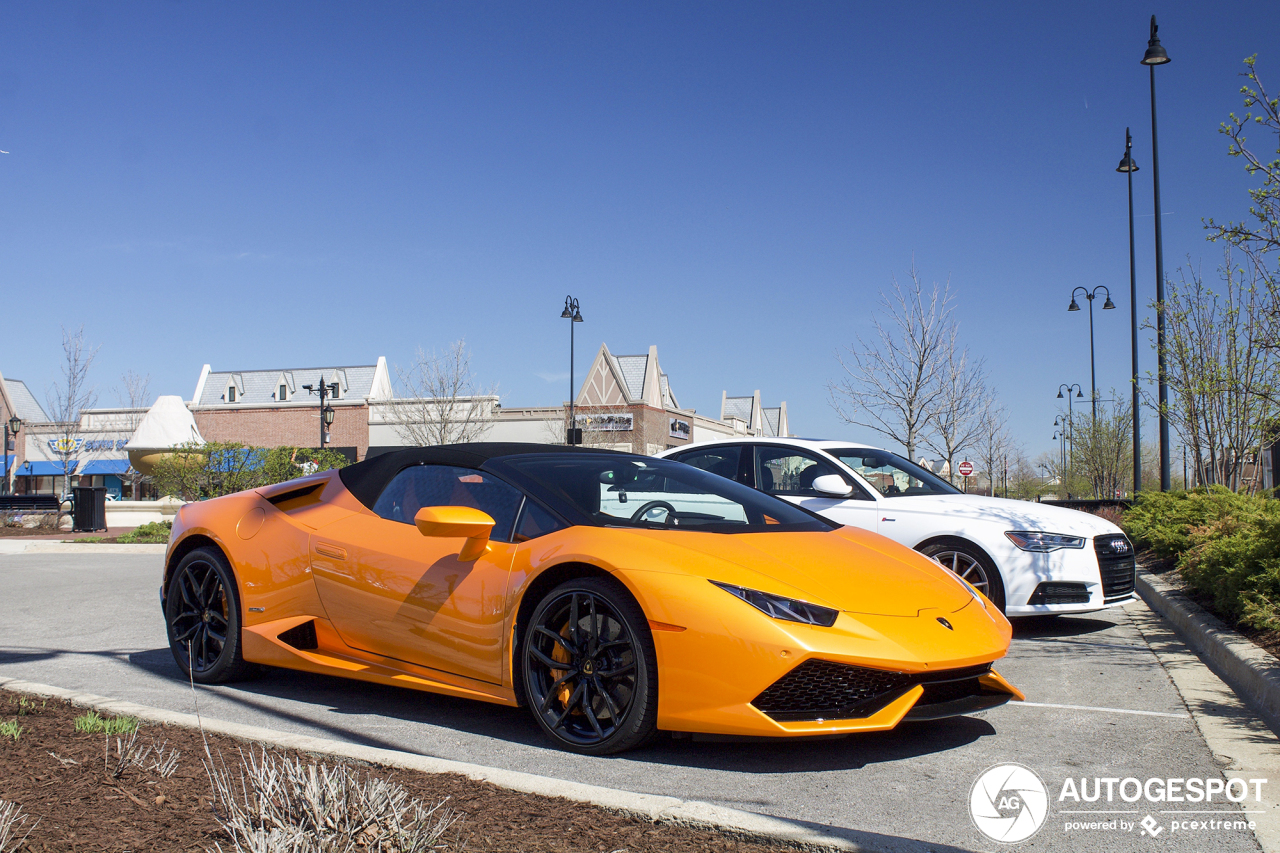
367	479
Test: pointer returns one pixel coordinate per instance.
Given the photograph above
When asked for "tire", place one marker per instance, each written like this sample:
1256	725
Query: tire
971	564
589	668
203	618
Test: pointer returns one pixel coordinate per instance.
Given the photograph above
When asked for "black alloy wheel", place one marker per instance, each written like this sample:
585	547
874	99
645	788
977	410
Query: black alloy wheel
202	612
971	565
589	667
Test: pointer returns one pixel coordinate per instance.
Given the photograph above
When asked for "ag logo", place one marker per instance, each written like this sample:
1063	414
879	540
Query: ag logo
1008	803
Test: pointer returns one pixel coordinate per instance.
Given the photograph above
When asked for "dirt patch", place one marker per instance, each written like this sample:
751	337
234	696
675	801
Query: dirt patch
1167	570
65	778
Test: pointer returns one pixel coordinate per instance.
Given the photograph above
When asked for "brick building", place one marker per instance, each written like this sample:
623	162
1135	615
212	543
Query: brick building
273	408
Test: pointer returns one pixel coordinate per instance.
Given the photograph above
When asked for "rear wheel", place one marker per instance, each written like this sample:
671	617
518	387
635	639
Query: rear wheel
202	611
590	670
971	565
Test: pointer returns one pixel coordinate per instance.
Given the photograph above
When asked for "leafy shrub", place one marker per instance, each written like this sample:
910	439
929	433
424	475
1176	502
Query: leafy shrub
196	471
93	724
151	532
1165	521
1227	548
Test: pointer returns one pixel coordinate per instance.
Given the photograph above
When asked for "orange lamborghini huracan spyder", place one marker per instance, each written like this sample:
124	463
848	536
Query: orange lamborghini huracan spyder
613	595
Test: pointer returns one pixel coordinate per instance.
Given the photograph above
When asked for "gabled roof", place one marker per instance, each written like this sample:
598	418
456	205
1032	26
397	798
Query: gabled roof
24	402
259	387
737	407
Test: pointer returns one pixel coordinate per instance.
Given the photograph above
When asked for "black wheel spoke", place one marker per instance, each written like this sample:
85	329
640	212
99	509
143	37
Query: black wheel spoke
569	706
548	661
618	671
590	713
608	700
554	690
561	641
186	635
593	638
573	620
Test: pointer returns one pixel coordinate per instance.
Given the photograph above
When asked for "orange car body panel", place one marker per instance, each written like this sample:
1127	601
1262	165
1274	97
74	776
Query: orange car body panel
393	606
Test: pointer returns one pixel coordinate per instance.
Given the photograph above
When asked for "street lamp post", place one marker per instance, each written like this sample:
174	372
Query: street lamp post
1069	427
1129	167
1156	55
11	426
326	412
573	315
1061	437
1106	306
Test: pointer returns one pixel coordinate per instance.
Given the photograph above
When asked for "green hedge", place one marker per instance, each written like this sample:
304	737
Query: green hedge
1226	546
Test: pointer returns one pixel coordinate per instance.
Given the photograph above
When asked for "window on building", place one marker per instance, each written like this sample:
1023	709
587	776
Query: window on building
231	393
282	393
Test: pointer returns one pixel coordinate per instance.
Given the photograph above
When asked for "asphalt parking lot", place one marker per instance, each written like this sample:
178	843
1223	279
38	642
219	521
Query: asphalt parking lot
1100	704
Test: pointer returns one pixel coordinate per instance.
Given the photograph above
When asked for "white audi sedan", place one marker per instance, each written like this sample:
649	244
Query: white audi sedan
1027	558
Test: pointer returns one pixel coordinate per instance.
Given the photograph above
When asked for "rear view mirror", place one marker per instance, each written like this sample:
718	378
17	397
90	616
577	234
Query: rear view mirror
832	484
457	521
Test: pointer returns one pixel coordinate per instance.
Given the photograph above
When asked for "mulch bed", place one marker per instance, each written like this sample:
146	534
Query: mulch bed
1167	570
59	776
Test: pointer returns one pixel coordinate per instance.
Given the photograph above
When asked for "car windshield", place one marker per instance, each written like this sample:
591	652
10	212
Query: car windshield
891	475
632	491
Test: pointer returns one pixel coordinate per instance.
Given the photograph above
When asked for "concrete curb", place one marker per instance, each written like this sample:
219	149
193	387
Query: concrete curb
45	546
740	824
1252	673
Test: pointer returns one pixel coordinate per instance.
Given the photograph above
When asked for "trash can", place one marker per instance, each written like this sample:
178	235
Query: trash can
88	508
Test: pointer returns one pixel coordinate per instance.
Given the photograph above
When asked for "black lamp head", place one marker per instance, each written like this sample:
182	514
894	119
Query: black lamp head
1055	420
1079	393
566	313
1108	303
1074	306
577	316
14	424
1156	54
1127	164
328	415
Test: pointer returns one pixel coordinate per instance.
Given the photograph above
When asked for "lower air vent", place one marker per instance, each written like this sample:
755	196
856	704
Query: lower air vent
1060	593
823	690
301	636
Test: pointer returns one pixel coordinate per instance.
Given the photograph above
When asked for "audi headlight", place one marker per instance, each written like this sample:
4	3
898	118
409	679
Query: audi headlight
1030	540
787	609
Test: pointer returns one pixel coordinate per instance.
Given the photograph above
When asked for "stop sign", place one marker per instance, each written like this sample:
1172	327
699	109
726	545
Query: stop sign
965	469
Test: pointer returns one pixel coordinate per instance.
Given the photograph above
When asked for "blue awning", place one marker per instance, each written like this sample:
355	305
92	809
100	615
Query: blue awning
39	468
105	466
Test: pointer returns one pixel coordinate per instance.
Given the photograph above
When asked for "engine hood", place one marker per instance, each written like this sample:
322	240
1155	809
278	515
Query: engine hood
852	570
1009	514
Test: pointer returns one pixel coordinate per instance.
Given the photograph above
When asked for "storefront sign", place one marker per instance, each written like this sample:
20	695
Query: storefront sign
605	423
678	428
93	445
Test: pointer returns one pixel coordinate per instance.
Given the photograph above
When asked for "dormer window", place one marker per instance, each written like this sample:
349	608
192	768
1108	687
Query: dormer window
282	393
231	393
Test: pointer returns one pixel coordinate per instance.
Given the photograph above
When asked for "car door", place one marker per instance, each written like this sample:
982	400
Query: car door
724	460
788	472
392	591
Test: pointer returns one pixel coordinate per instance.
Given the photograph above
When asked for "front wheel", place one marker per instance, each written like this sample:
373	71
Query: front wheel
971	565
202	612
590	670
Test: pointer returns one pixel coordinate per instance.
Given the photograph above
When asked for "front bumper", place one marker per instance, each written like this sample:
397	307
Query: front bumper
1101	575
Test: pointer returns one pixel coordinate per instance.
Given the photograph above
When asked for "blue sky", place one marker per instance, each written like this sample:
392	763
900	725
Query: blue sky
280	185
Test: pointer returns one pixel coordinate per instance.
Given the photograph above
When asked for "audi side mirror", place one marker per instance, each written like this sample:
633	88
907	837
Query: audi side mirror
833	485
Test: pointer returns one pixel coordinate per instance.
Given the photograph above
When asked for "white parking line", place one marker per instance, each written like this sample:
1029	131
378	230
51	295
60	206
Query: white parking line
1093	708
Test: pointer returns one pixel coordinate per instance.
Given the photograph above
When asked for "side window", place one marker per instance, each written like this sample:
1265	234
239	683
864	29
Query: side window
444	485
534	522
721	460
788	471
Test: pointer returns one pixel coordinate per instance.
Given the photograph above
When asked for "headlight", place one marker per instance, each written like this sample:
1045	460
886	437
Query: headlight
787	609
1029	540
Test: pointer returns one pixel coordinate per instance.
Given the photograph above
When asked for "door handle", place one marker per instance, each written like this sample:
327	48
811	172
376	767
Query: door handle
331	551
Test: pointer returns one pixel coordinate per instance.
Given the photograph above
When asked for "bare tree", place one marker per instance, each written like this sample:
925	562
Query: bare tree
1102	452
1223	386
960	420
1260	238
442	403
994	445
892	384
69	397
133	394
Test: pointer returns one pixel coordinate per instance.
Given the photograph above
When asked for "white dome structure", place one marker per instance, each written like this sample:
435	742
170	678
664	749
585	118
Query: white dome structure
167	424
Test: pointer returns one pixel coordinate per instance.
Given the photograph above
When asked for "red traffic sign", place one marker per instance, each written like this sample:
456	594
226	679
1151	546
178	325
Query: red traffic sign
966	469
